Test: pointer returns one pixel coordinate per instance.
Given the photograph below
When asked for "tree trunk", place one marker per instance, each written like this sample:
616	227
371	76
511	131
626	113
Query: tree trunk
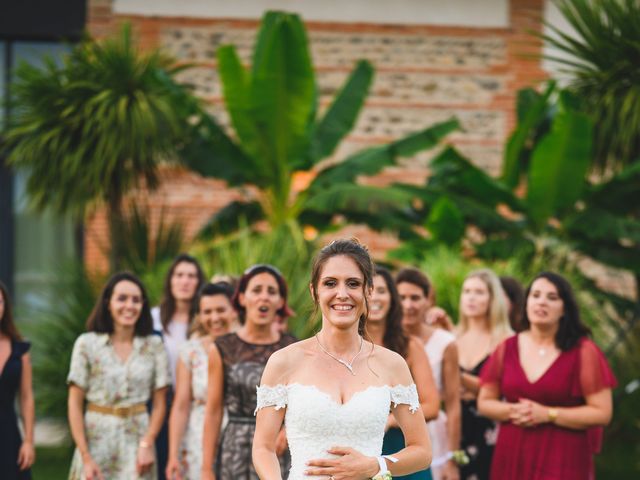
114	215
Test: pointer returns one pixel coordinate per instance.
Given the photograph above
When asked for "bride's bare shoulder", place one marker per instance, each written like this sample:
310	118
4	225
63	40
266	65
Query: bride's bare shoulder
283	362
392	365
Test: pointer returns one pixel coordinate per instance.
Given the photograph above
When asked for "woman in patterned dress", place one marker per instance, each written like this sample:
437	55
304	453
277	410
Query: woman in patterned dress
483	325
215	314
117	367
236	363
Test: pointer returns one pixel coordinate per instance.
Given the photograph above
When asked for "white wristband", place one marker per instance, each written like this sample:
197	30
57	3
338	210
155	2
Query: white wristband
383	465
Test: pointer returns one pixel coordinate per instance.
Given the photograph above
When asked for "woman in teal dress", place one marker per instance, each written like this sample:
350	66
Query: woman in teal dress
384	326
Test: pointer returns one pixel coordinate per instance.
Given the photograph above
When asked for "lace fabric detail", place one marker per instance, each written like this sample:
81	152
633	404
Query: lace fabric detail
271	397
405	395
315	421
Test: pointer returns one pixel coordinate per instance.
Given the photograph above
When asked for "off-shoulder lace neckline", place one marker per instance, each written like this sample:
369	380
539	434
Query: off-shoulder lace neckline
331	398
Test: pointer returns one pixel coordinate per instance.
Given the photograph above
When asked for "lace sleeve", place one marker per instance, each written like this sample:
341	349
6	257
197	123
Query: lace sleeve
408	395
271	397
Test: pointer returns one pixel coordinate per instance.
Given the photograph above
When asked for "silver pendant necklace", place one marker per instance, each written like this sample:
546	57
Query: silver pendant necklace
348	365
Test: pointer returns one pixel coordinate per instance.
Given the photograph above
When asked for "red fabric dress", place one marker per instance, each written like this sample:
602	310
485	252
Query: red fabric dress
547	452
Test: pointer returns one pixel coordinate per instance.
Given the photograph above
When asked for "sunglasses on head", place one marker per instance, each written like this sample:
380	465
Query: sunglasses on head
265	267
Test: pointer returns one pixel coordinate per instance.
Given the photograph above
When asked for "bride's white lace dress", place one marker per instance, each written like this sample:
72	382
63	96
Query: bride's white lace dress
315	422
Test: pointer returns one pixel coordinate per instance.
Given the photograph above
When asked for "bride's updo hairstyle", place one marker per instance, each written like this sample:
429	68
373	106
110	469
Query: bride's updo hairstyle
357	252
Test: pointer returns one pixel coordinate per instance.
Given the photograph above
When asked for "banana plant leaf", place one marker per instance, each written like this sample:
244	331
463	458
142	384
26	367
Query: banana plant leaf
283	92
619	194
236	90
532	108
558	166
454	173
373	160
211	153
341	116
380	208
230	218
445	222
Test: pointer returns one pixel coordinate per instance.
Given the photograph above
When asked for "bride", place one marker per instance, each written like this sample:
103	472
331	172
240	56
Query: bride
335	390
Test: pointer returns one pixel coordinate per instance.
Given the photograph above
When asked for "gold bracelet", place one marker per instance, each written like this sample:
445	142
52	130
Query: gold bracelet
144	444
552	413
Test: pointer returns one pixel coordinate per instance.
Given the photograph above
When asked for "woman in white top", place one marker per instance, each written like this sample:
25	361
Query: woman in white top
177	308
215	314
172	318
334	390
415	289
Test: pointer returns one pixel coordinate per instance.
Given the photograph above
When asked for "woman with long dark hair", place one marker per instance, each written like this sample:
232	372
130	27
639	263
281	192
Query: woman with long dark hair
236	363
173	319
116	368
174	315
416	295
384	327
550	389
17	454
336	389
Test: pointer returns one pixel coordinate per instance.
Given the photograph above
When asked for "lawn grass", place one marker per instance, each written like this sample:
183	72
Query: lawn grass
52	463
618	461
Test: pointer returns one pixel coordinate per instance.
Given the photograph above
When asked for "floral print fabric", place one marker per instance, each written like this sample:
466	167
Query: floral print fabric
108	381
195	357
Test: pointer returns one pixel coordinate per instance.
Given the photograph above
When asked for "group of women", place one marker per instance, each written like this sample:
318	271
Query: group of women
386	387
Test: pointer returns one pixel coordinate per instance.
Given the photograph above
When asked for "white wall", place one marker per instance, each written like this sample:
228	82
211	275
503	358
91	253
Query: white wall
553	16
467	13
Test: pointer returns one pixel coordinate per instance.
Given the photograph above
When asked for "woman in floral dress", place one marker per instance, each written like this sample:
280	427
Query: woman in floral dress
215	314
117	367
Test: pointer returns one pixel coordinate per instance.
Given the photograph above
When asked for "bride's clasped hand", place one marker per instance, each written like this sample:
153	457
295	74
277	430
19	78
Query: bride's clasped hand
334	391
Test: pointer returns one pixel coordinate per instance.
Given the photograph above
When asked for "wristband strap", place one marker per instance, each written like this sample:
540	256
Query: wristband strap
552	413
384	473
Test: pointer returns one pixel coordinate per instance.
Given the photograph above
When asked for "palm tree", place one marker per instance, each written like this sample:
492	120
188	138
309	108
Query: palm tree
91	129
279	137
603	65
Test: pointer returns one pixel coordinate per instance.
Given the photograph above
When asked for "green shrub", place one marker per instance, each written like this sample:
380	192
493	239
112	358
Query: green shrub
53	336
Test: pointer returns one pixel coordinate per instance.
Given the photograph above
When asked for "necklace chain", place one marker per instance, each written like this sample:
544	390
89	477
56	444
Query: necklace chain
348	365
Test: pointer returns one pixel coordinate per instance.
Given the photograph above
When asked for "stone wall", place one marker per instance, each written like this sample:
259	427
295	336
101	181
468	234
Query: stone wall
424	74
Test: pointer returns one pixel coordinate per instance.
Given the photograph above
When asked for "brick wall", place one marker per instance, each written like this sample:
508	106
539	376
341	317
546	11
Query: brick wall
424	74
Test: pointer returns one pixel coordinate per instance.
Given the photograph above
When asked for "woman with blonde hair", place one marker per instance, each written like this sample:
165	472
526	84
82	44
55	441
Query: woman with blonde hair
483	325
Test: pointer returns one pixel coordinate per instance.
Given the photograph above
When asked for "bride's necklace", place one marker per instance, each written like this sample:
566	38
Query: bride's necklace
348	365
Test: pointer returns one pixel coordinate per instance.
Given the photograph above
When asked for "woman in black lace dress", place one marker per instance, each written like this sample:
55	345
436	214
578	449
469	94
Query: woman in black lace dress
236	364
16	453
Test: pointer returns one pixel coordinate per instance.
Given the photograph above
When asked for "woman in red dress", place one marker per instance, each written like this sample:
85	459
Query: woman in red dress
550	387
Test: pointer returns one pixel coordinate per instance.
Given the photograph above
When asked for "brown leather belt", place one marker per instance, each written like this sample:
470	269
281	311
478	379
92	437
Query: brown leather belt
121	412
